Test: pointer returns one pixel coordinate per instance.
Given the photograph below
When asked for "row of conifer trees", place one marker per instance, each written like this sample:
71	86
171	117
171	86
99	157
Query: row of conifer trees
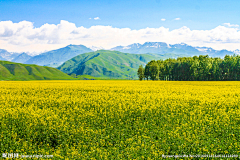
197	68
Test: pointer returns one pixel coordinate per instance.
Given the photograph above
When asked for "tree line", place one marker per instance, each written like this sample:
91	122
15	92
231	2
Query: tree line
197	68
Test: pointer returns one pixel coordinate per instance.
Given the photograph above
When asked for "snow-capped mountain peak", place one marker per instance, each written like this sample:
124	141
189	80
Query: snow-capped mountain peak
94	48
181	49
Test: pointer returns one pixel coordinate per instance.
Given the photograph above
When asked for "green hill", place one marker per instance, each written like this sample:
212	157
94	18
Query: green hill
107	64
18	71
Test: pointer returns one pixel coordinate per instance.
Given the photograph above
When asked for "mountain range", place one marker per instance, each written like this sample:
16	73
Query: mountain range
21	58
57	57
178	49
8	56
120	62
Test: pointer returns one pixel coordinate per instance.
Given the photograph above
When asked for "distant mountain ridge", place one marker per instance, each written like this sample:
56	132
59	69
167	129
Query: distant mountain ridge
2	59
162	48
5	55
56	57
21	58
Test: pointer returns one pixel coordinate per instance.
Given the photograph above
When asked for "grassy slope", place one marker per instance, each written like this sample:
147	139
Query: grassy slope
18	71
106	64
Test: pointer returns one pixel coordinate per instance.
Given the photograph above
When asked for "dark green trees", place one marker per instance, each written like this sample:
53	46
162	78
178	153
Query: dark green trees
197	68
147	70
140	72
154	70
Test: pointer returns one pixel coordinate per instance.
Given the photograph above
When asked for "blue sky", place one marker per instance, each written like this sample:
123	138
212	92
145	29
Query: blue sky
134	14
41	25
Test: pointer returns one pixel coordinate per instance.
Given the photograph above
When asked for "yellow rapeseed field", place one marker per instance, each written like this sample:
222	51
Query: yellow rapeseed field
119	119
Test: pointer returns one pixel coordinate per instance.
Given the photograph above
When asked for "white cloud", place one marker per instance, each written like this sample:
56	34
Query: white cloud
230	25
177	19
96	18
163	19
24	37
90	18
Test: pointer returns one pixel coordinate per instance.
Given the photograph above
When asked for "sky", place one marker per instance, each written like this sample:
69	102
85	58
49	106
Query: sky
41	25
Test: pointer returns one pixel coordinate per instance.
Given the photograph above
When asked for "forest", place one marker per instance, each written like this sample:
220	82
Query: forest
196	68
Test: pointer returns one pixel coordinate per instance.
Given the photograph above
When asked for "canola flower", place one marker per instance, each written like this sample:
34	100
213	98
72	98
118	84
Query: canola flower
119	119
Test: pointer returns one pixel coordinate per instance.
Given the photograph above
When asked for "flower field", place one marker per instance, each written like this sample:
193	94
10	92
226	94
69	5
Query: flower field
119	119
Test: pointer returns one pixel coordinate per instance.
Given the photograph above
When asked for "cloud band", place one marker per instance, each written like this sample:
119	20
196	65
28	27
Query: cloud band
23	36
